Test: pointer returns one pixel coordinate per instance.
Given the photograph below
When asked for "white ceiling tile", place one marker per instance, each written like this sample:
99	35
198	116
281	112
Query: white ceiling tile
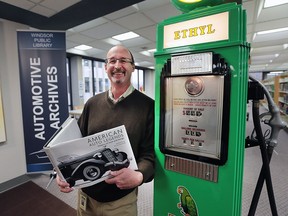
250	29
268	43
256	67
134	21
149	4
136	54
282	57
99	44
273	13
94	51
43	11
20	3
69	32
268	49
283	66
121	13
79	38
273	24
263	57
105	31
88	25
274	67
158	14
249	37
249	6
70	44
143	47
145	63
135	42
36	1
57	5
148	33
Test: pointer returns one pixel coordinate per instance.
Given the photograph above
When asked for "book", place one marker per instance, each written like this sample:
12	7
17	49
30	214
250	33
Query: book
85	161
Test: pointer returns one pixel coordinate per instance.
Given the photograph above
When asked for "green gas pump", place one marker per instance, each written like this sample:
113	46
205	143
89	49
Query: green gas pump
201	96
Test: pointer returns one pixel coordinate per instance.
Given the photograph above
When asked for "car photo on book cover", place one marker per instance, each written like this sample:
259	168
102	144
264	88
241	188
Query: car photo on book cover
92	166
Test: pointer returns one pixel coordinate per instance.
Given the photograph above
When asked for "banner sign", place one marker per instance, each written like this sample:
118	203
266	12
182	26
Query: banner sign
43	79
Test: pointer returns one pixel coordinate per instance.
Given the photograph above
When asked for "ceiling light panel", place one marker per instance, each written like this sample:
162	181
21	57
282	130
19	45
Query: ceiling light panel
271	37
125	36
83	47
271	31
272	3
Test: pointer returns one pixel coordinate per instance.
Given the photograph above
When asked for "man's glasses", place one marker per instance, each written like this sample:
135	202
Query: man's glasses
113	61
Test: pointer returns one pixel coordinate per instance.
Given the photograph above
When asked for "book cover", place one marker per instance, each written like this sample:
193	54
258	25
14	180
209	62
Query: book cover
85	161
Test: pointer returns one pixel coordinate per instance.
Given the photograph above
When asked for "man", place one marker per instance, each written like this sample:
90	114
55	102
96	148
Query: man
121	105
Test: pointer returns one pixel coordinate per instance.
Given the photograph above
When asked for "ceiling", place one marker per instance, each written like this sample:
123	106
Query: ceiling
93	23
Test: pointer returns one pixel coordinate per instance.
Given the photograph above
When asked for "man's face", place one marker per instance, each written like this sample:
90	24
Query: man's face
119	66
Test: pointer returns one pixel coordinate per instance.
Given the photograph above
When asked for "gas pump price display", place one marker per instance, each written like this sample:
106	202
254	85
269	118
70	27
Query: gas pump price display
194	109
189	64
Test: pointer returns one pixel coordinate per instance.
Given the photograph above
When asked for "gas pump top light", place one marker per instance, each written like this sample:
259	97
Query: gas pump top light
189	5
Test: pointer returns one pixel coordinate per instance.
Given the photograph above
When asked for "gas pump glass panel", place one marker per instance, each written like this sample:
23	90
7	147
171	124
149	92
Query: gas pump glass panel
194	113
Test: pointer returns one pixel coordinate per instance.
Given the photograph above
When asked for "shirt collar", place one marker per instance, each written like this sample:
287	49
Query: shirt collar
123	96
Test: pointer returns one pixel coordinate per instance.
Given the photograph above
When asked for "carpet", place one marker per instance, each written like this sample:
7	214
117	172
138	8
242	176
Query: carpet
29	199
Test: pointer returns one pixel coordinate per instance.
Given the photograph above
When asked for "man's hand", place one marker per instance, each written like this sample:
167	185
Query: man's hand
125	178
64	186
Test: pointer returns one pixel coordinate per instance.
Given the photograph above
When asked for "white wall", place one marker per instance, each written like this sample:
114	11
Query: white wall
12	152
150	83
77	81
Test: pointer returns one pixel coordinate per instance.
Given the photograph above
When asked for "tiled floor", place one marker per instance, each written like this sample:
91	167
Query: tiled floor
145	194
279	175
252	167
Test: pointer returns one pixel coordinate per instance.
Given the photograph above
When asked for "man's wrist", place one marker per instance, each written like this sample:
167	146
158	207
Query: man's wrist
140	177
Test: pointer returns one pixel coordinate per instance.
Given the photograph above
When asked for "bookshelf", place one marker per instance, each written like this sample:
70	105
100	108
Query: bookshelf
278	89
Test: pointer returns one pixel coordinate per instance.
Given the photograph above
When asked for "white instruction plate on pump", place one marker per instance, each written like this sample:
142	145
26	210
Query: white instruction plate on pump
192	64
193	117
